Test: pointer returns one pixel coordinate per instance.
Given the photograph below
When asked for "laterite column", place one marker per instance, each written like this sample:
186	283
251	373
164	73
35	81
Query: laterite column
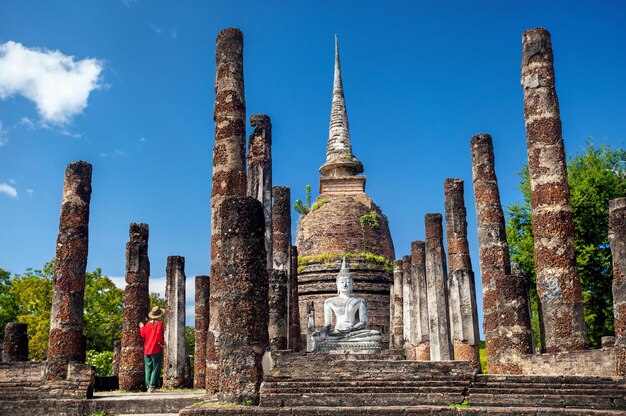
396	340
244	317
436	276
175	360
66	341
202	324
506	323
229	169
558	282
617	238
461	289
136	308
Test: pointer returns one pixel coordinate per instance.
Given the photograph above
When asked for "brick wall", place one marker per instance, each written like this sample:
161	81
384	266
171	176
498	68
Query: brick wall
598	363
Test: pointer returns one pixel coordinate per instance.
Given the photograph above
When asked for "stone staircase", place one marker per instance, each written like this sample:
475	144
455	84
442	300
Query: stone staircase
307	384
550	392
351	380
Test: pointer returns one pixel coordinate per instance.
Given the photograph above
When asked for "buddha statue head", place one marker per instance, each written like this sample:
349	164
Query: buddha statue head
344	280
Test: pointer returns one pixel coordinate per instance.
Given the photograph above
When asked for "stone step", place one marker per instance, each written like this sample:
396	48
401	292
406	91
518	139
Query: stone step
391	411
365	399
297	383
513	378
548	385
349	390
532	389
546	400
138	403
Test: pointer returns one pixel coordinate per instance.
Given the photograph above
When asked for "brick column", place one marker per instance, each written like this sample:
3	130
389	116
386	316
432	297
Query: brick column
15	346
396	340
260	173
244	317
66	341
558	283
408	323
229	168
202	324
462	291
175	360
436	276
506	326
293	310
136	308
418	270
617	238
281	233
117	357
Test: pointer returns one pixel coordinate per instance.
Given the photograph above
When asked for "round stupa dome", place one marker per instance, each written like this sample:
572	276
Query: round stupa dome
340	223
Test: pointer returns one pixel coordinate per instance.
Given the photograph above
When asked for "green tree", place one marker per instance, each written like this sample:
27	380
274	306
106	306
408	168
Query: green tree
8	303
103	308
104	312
33	293
595	176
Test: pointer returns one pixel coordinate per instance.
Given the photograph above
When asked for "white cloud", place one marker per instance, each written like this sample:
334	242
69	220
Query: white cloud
173	34
26	122
58	84
128	3
12	181
5	188
3	135
103	154
142	140
30	193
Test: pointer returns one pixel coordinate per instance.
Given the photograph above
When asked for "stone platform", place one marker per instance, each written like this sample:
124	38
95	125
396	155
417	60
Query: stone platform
314	384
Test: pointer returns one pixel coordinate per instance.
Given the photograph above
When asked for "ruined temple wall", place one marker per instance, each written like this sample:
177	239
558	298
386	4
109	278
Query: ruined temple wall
592	363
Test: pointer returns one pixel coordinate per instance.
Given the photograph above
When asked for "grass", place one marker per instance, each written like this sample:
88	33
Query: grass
332	257
463	405
483	357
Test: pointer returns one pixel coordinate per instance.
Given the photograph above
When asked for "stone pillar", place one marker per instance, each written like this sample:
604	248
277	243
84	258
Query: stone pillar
66	341
229	167
558	282
136	308
244	317
617	239
175	361
506	340
293	310
437	291
117	356
422	328
461	288
281	233
260	173
408	322
15	346
310	324
202	324
396	340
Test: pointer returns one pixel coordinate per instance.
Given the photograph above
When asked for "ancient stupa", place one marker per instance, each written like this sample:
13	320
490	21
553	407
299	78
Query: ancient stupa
344	221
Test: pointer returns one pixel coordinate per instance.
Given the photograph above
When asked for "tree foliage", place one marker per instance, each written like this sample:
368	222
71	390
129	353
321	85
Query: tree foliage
30	296
595	176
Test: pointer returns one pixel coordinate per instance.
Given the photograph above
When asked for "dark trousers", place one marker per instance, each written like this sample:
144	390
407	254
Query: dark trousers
153	364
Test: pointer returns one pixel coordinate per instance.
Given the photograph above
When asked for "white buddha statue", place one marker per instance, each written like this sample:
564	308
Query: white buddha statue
349	333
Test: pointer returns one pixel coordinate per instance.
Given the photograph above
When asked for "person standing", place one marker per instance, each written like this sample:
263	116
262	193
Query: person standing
154	341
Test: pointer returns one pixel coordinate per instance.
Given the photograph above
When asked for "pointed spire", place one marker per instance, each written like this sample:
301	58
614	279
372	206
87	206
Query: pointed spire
339	158
345	271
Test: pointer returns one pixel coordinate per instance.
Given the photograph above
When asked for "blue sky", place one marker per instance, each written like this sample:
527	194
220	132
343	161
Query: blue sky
130	90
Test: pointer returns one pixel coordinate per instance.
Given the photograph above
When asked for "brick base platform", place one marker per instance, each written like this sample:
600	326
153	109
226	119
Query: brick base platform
313	384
